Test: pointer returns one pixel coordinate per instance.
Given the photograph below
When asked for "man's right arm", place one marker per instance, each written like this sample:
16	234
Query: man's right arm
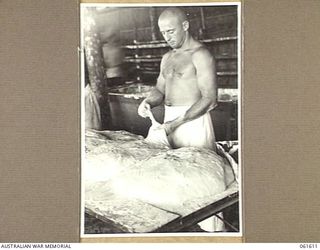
157	94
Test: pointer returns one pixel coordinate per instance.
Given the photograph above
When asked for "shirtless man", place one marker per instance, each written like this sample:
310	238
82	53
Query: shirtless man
186	84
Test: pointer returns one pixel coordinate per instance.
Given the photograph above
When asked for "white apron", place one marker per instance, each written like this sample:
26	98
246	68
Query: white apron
196	133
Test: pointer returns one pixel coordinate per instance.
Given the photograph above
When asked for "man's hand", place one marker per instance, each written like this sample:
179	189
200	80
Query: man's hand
168	127
144	108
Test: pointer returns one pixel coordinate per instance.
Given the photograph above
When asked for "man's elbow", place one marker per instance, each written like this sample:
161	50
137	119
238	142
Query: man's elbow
211	102
213	105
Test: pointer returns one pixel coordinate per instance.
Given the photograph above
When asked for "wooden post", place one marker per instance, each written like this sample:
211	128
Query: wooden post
95	64
153	21
202	29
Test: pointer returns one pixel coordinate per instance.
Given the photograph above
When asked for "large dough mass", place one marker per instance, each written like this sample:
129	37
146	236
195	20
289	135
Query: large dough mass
176	180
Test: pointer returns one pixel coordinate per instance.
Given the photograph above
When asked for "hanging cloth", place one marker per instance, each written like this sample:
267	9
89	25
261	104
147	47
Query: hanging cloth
156	133
92	110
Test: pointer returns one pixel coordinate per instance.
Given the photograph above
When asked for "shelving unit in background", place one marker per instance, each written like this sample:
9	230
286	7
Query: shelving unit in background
143	60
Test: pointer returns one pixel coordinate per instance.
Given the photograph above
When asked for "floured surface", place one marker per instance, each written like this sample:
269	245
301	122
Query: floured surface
170	179
109	152
128	215
143	186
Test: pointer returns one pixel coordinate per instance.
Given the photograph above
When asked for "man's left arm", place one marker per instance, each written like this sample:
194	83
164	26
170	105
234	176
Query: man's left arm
206	79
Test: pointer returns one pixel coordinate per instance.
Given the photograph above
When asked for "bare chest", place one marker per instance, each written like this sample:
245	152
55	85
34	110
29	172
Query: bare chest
179	65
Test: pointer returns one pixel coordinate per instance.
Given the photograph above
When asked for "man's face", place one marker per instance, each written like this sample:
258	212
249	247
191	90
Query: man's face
172	30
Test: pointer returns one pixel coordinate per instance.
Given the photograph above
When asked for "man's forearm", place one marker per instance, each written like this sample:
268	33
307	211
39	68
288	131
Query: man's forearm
196	110
155	98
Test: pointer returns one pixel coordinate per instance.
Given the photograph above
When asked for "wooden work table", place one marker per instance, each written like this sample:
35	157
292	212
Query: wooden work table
134	216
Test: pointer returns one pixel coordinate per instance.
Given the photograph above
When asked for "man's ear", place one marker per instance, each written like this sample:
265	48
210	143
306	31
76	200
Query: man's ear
185	25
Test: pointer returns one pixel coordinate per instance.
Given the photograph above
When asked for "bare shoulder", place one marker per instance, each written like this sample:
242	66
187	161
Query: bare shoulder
202	55
165	56
164	59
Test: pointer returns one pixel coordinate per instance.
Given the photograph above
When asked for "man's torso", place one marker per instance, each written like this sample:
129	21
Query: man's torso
180	77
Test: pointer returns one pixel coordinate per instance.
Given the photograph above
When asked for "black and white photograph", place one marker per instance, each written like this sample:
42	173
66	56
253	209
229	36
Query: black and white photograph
161	119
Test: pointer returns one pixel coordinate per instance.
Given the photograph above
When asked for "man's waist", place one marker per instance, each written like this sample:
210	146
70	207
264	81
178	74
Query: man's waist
179	103
178	109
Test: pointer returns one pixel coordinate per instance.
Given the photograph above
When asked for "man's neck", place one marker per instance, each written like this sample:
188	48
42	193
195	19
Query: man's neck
187	44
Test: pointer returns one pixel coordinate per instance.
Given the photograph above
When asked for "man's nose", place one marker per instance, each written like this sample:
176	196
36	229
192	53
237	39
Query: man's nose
167	37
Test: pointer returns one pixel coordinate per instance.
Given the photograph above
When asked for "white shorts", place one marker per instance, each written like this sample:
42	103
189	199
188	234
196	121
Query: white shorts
196	133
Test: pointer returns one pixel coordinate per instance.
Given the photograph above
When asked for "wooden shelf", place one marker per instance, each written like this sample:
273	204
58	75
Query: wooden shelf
226	73
163	44
149	70
142	59
157	59
225	57
219	39
147	46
